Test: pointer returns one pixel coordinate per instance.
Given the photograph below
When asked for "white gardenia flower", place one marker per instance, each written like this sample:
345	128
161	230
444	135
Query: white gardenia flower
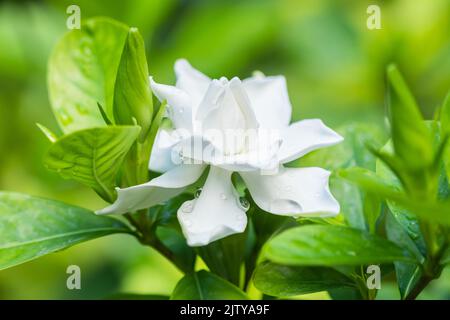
223	125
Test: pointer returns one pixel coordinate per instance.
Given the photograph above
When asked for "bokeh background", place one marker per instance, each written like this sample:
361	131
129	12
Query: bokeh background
333	64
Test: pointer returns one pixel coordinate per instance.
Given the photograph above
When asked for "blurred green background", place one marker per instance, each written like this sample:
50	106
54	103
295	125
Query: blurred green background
334	66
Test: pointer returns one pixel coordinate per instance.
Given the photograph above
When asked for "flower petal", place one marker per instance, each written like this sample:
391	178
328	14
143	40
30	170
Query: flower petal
191	81
270	100
293	192
179	103
226	106
155	191
305	136
217	212
161	157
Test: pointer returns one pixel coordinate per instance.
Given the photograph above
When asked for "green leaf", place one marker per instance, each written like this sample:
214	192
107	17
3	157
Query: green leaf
92	156
204	285
408	274
329	245
132	94
82	72
283	281
409	133
224	257
31	227
183	255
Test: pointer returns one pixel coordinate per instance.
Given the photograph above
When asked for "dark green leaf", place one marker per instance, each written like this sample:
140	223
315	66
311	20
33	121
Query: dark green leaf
329	245
31	227
92	156
183	255
225	256
203	285
407	273
284	281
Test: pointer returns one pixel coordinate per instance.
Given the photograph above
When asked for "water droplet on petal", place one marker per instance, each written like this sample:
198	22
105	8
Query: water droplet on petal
198	192
243	203
181	109
187	207
223	196
187	223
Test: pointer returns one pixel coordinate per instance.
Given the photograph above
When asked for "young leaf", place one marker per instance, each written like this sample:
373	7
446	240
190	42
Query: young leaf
284	281
329	245
82	71
92	156
409	133
132	95
31	227
203	285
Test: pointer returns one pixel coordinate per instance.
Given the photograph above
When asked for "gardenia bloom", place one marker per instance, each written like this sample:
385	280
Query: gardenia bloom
226	118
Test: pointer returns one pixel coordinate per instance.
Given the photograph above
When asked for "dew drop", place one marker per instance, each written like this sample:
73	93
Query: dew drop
244	204
181	110
188	223
223	196
198	192
187	207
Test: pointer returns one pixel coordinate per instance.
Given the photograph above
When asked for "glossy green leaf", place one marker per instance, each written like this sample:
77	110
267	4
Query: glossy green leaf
408	274
31	227
132	94
283	281
92	156
204	285
82	72
225	256
183	255
409	133
329	245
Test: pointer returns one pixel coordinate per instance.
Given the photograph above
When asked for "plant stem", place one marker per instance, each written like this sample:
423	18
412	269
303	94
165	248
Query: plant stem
422	284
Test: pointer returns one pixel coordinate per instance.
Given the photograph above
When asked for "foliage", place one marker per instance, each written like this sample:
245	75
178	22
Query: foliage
392	187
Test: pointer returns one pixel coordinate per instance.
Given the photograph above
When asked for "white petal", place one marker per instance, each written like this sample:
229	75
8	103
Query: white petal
293	192
305	136
217	213
161	157
191	81
226	106
179	103
270	100
155	191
